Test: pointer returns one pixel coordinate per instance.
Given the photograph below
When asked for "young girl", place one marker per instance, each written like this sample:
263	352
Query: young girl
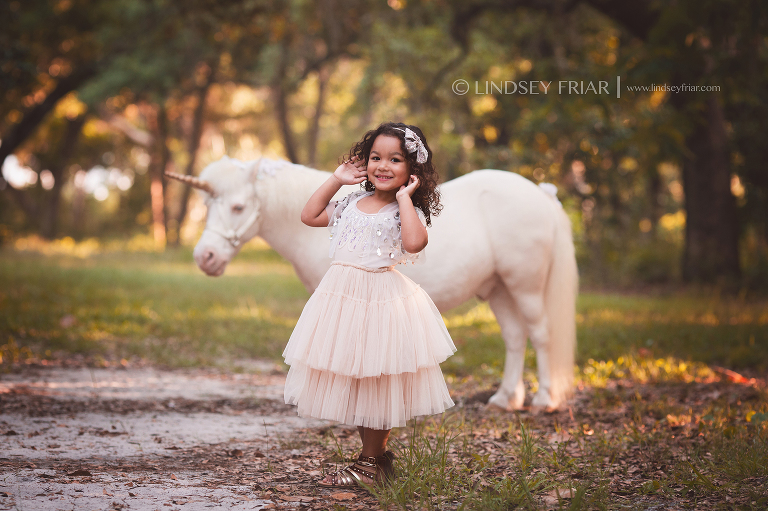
367	347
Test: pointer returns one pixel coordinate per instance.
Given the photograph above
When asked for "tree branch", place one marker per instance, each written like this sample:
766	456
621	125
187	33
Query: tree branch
35	115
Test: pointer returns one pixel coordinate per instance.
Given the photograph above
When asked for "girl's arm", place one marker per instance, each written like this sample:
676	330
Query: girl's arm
412	232
348	173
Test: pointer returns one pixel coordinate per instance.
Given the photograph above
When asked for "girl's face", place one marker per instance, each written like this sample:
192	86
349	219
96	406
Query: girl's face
387	168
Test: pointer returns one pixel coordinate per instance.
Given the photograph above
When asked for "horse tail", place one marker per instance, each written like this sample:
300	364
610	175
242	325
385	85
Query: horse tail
560	303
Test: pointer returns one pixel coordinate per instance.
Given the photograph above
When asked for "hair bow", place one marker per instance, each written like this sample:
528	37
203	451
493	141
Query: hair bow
413	144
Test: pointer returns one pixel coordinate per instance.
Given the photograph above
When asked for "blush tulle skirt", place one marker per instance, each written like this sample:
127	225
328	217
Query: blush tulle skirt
366	350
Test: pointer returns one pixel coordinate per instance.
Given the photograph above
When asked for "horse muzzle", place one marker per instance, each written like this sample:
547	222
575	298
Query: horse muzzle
211	255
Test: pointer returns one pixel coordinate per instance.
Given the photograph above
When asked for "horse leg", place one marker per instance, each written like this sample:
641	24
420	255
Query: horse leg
511	393
531	308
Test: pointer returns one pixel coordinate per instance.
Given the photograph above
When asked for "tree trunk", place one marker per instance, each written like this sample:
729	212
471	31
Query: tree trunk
314	128
281	105
25	202
159	161
711	229
654	193
194	145
49	224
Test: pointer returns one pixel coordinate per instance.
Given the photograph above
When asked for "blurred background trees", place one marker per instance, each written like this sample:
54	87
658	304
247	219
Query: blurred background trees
100	97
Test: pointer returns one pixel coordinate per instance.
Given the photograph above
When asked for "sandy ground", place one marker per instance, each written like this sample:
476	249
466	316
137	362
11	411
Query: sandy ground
140	438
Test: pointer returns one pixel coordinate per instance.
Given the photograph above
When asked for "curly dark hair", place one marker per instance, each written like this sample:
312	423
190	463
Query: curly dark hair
427	196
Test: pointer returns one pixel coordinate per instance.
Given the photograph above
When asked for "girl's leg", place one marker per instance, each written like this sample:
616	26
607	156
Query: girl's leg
374	441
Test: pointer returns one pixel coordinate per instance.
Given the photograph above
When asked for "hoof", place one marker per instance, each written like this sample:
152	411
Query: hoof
500	400
543	401
537	410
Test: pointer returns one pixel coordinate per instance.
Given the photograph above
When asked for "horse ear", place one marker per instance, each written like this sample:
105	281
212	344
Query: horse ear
252	167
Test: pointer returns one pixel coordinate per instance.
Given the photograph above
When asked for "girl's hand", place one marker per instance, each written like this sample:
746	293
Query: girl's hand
351	172
407	191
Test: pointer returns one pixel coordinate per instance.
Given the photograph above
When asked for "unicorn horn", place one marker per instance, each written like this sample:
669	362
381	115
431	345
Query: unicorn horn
193	181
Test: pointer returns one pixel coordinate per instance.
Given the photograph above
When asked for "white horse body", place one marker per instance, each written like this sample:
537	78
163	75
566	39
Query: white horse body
499	237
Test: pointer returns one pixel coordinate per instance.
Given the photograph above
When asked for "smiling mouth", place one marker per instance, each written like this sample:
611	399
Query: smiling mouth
383	178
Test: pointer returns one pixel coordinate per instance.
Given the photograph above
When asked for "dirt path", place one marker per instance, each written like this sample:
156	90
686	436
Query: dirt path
139	438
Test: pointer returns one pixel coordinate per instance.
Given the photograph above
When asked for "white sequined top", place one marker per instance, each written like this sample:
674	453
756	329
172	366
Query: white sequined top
368	239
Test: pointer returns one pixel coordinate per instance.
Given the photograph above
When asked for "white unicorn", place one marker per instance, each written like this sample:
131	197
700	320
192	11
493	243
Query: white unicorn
499	237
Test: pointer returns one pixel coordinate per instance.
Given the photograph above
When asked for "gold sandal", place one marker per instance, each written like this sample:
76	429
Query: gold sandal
376	469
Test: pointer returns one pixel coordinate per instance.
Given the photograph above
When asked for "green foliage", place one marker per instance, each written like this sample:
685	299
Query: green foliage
346	66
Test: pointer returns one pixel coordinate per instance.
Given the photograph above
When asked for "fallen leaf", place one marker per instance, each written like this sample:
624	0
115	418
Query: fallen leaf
10	432
731	375
300	498
174	477
343	496
80	472
236	453
258	454
103	432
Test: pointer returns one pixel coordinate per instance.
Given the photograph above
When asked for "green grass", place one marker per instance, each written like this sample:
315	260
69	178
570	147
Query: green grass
473	460
160	307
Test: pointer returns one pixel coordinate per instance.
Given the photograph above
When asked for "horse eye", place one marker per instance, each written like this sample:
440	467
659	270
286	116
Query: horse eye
238	208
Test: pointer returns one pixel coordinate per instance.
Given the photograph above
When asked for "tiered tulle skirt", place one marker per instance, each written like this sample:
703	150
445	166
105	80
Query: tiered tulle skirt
366	350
